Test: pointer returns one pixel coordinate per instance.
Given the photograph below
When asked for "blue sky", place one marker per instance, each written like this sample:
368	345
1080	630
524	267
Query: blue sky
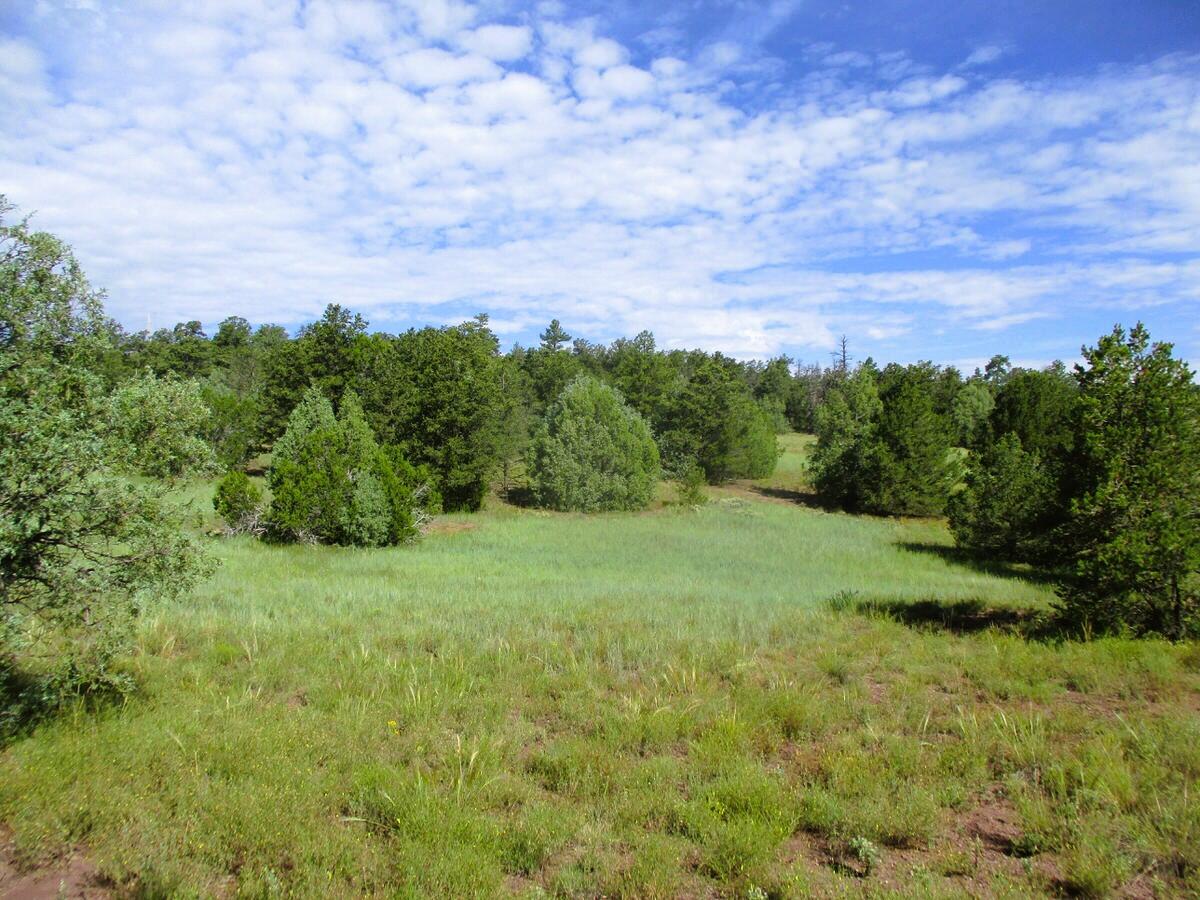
934	180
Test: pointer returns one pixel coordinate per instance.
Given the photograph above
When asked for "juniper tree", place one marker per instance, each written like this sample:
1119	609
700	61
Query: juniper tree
81	549
593	452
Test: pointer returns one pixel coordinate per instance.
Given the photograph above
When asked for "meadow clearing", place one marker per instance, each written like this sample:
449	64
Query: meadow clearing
757	698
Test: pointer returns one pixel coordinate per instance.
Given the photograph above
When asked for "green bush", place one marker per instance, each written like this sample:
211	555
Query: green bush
82	549
592	452
156	427
689	485
332	483
715	421
1002	508
238	501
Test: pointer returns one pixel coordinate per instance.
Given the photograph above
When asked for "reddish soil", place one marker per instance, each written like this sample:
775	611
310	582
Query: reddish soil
73	877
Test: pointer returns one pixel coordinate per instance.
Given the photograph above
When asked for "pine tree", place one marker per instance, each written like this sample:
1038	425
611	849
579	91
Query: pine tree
555	337
1134	528
914	471
847	424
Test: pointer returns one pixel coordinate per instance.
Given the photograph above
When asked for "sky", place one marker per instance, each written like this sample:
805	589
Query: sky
934	180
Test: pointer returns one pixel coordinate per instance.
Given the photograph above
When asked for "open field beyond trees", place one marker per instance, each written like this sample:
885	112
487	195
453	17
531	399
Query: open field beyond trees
756	698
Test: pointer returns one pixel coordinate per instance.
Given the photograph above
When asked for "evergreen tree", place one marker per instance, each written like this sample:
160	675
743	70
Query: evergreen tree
554	338
969	412
714	421
1039	407
914	469
645	377
1134	528
1002	509
593	452
327	353
451	422
332	483
845	460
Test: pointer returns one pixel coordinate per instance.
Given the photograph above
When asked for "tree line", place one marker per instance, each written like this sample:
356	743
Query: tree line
1091	474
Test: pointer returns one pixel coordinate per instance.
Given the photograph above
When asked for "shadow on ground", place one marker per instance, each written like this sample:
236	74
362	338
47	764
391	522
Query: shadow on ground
800	498
961	616
998	568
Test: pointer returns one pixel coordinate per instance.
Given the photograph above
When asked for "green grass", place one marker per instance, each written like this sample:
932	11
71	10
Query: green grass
724	702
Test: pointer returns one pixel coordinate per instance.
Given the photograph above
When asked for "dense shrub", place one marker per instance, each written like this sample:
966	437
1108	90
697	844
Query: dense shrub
81	548
239	502
715	422
593	452
156	427
1003	508
847	423
332	483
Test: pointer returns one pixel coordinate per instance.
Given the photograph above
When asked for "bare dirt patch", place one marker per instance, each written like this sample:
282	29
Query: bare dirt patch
74	876
451	527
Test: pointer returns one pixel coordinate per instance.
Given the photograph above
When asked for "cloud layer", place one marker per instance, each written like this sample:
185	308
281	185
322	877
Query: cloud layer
422	161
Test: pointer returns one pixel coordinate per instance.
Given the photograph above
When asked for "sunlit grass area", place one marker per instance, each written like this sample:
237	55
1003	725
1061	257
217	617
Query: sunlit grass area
756	698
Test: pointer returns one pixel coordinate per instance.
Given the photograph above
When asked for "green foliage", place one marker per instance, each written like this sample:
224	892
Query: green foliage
914	467
555	337
689	485
715	422
232	429
314	412
156	427
969	412
327	353
332	483
239	502
592	452
549	372
514	414
881	446
450	421
1039	407
844	462
1134	532
644	376
81	549
1003	508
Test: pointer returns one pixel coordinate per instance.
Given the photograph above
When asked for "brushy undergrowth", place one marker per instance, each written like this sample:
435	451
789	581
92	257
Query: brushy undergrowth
646	705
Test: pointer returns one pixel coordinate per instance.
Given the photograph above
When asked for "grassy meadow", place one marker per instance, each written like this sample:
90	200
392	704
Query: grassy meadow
753	699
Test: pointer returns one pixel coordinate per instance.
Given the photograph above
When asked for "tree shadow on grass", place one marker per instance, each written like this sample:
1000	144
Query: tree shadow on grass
963	616
801	498
28	699
997	568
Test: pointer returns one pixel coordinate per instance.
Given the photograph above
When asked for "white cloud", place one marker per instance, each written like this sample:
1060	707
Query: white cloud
502	43
432	66
982	56
601	54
